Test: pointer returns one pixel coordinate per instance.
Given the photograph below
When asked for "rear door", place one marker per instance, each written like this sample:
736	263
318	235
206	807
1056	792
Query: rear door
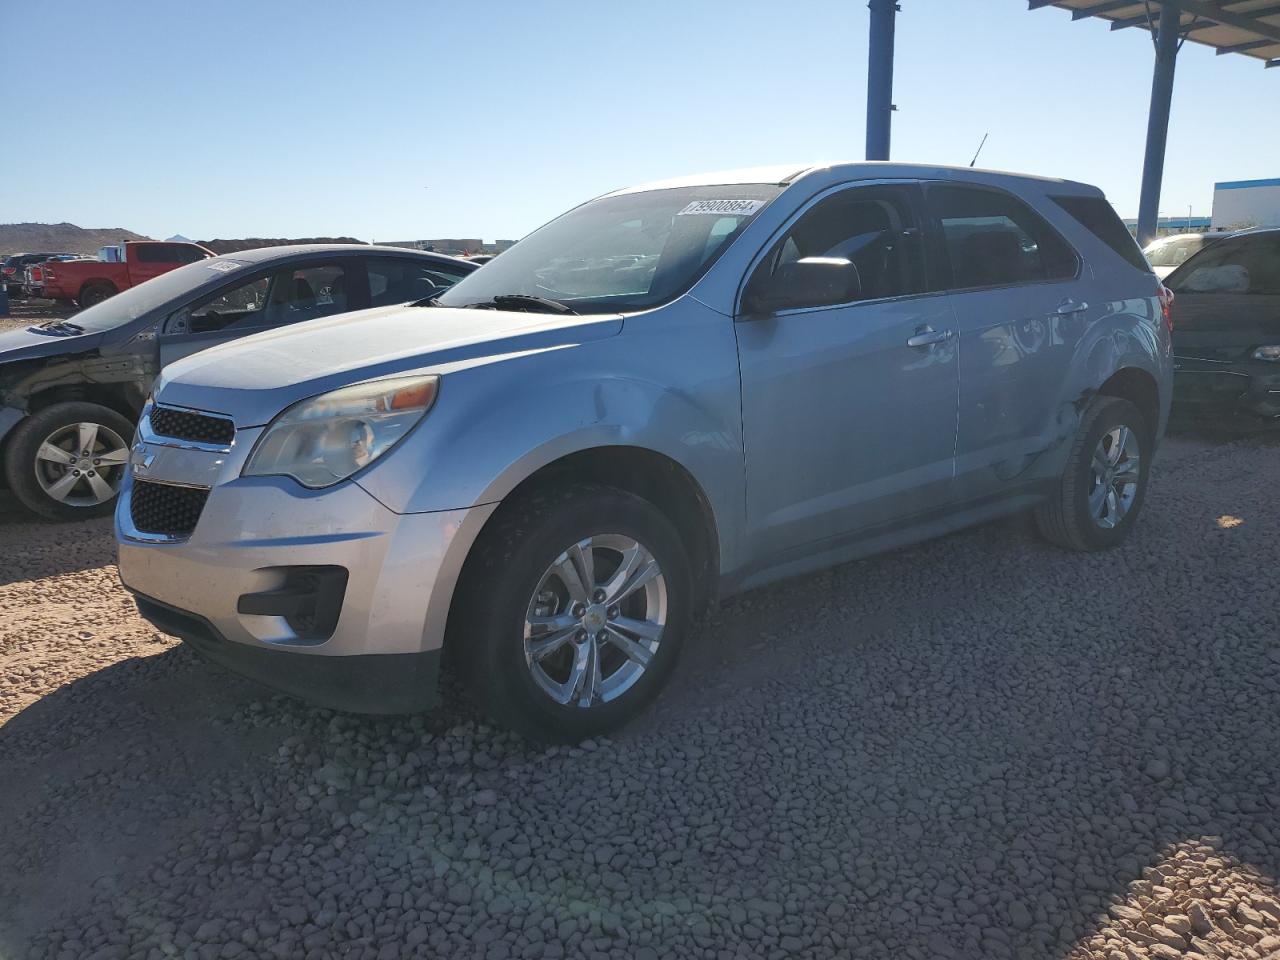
1021	304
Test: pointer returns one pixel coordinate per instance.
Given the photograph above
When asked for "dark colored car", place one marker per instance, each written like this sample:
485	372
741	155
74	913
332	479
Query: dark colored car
71	390
1226	335
13	267
1168	253
33	274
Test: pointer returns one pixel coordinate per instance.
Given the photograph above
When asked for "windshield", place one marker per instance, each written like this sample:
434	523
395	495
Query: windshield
1170	253
134	302
626	252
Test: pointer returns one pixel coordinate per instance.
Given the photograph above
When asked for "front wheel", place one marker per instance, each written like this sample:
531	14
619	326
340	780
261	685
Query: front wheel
66	462
573	612
1105	479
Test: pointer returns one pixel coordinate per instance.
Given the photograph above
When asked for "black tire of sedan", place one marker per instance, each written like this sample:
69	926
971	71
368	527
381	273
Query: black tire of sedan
572	612
65	462
1105	480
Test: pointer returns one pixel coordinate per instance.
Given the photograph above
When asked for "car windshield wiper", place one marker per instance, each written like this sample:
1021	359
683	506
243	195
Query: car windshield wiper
523	301
427	302
58	328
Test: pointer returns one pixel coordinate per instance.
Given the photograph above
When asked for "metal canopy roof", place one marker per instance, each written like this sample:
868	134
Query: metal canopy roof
1251	27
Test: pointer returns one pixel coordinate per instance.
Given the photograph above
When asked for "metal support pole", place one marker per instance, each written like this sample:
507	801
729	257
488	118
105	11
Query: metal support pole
1158	121
880	78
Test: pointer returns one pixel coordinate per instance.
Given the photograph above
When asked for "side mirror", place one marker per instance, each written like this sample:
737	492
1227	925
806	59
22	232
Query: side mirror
177	323
808	282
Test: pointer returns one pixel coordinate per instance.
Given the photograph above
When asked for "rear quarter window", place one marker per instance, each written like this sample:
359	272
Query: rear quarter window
1097	216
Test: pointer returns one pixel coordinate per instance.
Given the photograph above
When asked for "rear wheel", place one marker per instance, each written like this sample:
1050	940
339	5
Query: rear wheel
573	612
95	293
66	462
1105	480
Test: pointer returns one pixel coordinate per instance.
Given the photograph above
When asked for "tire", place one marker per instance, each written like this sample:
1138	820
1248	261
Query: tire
34	479
1071	517
94	293
508	578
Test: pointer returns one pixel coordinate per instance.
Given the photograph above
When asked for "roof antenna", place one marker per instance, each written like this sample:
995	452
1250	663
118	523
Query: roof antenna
979	150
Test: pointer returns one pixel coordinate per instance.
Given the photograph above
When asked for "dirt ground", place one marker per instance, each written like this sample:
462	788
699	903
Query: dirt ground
978	747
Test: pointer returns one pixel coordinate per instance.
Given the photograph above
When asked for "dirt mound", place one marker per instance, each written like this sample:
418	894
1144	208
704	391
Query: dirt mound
59	238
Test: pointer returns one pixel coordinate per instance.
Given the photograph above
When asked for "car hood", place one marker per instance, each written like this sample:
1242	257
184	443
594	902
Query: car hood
252	379
24	344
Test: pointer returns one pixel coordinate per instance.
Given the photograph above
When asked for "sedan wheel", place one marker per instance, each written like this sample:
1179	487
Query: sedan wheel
67	460
81	464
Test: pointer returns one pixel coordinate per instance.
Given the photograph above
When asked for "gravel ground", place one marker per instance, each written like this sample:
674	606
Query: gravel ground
979	747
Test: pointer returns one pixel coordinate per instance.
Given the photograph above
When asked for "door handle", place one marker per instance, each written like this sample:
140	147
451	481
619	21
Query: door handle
1069	306
927	335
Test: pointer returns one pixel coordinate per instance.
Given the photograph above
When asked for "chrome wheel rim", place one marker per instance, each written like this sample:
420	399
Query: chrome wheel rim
595	621
81	464
1113	476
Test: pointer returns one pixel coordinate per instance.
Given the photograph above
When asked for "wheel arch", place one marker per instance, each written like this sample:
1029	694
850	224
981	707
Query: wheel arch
1138	387
107	395
641	471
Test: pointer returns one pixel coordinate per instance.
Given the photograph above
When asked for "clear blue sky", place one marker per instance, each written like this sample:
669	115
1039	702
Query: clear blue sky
402	120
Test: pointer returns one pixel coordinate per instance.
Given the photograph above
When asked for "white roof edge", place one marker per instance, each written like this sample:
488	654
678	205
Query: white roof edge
785	173
775	173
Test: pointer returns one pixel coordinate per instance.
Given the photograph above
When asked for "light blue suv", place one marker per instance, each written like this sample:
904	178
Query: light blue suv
667	394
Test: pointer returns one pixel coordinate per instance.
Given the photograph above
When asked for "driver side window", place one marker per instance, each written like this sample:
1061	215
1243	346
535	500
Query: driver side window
873	228
240	305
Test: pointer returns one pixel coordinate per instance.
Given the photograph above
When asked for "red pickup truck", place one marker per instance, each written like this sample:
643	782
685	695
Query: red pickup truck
91	281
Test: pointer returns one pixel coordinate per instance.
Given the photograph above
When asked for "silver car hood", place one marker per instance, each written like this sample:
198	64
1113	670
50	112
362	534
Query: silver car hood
252	379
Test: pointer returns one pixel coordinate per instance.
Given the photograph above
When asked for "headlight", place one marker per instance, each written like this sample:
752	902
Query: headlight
326	439
1271	352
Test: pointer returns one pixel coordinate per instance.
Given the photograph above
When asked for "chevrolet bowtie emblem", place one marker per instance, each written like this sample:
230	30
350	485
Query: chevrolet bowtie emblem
141	458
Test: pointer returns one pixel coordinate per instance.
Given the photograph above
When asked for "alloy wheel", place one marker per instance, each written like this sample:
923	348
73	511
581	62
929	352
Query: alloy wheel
81	464
1114	475
595	621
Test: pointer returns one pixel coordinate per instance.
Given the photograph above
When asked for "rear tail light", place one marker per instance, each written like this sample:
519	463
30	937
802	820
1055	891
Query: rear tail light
9	271
37	275
1166	305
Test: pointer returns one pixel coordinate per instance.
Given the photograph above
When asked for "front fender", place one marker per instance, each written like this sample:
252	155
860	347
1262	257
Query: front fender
496	425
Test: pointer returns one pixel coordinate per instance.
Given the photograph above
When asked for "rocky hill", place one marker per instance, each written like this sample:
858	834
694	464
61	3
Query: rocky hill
59	238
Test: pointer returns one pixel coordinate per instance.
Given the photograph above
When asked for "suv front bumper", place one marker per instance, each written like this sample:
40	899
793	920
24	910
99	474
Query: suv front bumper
383	652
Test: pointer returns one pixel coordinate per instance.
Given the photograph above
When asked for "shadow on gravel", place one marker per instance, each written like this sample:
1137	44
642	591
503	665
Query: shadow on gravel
32	548
980	747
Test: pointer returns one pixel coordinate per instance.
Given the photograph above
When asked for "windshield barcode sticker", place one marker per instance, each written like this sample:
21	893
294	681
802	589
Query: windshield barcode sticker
222	266
727	208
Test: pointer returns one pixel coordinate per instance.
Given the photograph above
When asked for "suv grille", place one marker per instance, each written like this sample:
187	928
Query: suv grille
186	425
164	509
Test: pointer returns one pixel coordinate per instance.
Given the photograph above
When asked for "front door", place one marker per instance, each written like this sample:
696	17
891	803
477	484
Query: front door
849	408
262	302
